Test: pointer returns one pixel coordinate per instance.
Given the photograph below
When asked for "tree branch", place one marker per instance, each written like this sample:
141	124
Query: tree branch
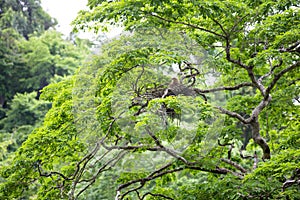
187	24
257	84
259	140
293	48
258	109
162	171
255	160
156	195
232	114
228	56
101	169
237	22
146	179
218	170
280	74
234	164
271	70
220	25
230	148
289	183
236	87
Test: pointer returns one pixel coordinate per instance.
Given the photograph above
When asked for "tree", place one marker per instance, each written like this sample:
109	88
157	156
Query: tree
29	65
17	19
48	56
24	110
257	42
245	38
11	65
117	116
25	16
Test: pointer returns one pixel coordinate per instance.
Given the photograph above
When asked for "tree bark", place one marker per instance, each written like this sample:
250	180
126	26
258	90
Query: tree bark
2	101
259	140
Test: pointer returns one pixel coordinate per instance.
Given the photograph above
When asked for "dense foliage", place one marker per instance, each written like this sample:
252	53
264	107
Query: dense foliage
32	55
24	16
226	127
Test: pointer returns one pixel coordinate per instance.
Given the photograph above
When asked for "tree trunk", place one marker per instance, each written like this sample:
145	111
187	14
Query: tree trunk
2	101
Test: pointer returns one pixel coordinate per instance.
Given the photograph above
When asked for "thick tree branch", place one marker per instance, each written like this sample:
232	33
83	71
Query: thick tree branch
215	171
218	170
255	82
259	140
258	109
162	171
253	121
146	147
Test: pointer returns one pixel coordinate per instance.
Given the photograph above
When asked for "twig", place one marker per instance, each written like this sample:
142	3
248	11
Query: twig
271	70
102	169
187	24
146	179
230	148
228	56
280	74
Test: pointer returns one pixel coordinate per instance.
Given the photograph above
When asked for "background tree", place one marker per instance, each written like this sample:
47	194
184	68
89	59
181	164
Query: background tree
49	55
24	114
11	65
25	16
18	19
31	56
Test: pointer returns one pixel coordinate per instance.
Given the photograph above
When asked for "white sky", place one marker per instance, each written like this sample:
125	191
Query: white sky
65	11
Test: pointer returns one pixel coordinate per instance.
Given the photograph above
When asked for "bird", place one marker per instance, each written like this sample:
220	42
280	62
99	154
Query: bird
177	88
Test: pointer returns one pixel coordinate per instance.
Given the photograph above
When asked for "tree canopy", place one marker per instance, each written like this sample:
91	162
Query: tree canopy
227	126
24	16
31	57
